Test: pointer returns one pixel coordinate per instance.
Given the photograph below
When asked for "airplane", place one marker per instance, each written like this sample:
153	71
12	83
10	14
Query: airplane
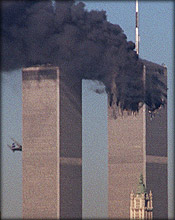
13	147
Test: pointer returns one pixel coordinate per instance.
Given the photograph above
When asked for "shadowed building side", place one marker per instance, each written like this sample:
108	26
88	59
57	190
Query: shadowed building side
52	144
157	156
157	162
70	147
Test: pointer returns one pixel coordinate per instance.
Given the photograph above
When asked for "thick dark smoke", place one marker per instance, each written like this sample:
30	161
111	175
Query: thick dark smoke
83	44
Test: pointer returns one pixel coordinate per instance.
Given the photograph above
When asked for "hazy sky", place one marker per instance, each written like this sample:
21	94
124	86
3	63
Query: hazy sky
156	45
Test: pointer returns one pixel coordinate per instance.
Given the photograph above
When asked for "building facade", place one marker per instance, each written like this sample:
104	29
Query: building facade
138	144
52	144
141	204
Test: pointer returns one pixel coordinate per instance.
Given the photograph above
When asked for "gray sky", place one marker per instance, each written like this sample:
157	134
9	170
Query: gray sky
156	45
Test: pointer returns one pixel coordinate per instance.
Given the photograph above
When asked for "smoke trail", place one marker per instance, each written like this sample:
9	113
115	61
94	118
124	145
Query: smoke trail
83	44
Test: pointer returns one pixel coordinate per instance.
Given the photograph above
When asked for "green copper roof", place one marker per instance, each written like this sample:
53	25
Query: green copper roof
141	187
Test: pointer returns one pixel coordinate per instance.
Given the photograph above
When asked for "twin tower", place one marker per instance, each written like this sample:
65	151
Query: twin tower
52	150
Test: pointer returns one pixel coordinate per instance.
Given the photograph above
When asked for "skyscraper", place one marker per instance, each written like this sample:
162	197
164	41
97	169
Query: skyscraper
52	144
138	144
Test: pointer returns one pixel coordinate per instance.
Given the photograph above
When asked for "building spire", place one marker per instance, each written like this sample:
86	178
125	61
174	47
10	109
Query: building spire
141	187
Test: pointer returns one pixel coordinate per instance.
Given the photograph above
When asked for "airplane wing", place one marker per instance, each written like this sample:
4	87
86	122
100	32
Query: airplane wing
18	144
10	148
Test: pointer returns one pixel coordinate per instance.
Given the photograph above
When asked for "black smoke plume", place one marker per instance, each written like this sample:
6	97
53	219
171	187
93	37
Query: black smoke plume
83	44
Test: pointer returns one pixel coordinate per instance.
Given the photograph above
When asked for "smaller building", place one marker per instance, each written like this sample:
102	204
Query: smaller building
141	205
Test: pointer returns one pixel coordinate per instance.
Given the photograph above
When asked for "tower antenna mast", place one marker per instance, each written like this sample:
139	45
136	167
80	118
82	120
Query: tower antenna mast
137	27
